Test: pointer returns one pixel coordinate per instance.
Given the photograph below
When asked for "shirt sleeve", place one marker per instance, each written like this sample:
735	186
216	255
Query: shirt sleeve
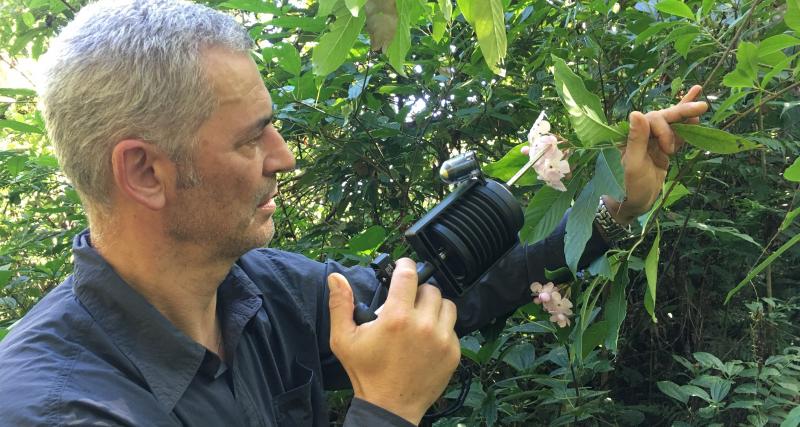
363	413
506	286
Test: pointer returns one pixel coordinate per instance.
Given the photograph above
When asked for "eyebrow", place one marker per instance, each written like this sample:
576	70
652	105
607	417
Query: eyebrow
256	128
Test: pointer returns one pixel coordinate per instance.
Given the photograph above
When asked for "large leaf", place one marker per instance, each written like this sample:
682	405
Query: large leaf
370	239
675	7
616	307
792	173
673	390
584	108
509	165
593	337
354	6
288	57
793	418
19	126
545	211
407	12
488	20
608	180
651	273
760	267
256	6
746	67
792	16
334	46
713	140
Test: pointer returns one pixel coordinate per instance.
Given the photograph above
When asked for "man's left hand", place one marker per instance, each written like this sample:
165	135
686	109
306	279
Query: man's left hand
645	157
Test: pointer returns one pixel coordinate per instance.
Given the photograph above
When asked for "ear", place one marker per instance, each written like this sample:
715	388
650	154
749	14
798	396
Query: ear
141	172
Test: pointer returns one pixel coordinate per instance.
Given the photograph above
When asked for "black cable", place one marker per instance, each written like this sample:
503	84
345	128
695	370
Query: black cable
465	374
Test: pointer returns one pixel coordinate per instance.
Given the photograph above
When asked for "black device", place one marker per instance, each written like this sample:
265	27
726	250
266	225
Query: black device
460	238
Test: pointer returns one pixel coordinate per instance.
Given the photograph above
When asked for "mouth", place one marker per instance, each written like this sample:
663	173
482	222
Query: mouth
268	203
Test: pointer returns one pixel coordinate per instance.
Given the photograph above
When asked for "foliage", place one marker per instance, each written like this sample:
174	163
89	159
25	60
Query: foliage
371	115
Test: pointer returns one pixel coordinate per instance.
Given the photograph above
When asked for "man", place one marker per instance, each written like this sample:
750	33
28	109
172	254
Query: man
171	317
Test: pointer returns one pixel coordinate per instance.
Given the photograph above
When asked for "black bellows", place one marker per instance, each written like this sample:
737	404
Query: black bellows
467	233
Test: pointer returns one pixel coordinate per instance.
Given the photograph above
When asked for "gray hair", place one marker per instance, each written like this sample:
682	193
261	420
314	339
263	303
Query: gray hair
131	69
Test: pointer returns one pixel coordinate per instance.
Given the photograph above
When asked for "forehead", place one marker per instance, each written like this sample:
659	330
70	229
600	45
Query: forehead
235	81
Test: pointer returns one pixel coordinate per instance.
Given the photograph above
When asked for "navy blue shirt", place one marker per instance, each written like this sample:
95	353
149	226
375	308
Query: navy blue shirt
95	352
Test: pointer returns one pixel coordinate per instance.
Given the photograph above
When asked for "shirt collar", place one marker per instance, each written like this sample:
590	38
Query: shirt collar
166	357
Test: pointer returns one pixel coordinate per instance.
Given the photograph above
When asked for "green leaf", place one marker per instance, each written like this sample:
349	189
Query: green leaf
713	140
723	110
678	192
584	108
607	180
19	126
683	43
792	16
509	165
673	390
792	173
446	7
746	67
334	46
790	217
675	7
489	22
653	30
593	337
256	6
616	307
693	390
521	356
288	57
354	6
17	92
326	7
708	360
545	211
793	418
407	11
760	267
776	44
369	240
720	389
651	272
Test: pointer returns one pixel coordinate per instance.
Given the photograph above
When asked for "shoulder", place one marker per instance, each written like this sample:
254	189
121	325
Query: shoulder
57	368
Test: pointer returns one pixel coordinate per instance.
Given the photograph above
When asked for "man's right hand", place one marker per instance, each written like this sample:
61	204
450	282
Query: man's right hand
403	360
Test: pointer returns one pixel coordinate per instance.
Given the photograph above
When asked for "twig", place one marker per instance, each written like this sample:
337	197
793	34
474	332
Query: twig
734	41
763	101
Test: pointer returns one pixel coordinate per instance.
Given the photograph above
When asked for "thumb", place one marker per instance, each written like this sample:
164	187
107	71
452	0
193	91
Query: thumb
340	303
638	137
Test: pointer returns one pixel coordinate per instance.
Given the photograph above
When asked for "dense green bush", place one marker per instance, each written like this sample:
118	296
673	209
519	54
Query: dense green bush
717	265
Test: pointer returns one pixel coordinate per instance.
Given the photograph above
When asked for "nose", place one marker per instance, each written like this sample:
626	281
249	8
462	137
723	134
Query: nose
279	157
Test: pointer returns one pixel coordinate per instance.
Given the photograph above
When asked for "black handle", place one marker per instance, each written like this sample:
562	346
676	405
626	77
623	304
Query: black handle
363	313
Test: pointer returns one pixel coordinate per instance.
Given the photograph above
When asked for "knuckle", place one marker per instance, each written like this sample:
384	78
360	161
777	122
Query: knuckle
430	289
398	321
404	275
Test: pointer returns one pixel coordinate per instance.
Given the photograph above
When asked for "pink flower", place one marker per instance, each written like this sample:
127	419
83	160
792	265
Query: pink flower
550	298
549	162
544	294
560	318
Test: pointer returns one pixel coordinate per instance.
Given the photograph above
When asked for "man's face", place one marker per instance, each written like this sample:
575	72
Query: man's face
237	158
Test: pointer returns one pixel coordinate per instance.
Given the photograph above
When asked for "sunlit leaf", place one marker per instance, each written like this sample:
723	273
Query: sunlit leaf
713	140
675	7
792	173
335	45
616	307
584	108
488	20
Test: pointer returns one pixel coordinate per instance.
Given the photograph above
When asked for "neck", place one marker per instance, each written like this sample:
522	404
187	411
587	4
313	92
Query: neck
179	280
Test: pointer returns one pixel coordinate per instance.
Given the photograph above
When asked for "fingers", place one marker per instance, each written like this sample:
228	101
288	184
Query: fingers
448	314
403	288
693	93
429	301
683	111
340	304
638	137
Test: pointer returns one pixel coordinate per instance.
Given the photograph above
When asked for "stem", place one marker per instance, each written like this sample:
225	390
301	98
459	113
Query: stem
734	41
757	106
